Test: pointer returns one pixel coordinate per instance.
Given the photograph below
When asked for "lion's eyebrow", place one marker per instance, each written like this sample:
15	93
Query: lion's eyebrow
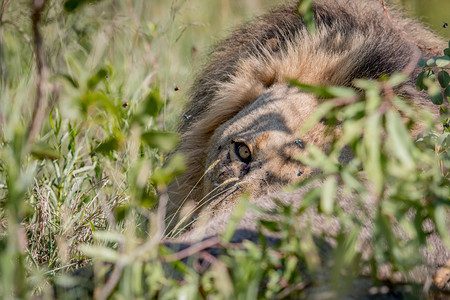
262	139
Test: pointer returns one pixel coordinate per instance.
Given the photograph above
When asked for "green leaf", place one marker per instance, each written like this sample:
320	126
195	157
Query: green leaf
440	217
327	197
55	124
352	181
447	92
99	252
444	140
152	103
325	91
372	146
43	150
437	98
270	225
435	93
97	77
444	79
121	212
419	81
447	51
305	9
397	78
92	227
100	101
319	159
341	92
383	235
431	62
85	169
71	80
430	74
175	167
108	236
311	198
433	88
309	249
165	141
443	61
107	146
148	200
316	116
71	5
238	214
399	139
345	255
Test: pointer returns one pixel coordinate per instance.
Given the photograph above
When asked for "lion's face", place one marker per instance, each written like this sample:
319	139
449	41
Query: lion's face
258	149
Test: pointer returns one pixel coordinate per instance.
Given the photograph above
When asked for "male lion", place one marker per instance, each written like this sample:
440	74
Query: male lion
239	131
243	116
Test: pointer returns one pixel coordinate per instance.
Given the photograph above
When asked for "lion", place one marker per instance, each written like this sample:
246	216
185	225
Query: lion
243	116
240	128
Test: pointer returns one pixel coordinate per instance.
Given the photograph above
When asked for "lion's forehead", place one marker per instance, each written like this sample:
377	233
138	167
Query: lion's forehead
276	115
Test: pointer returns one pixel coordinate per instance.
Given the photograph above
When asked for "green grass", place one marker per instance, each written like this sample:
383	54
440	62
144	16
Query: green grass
85	188
109	92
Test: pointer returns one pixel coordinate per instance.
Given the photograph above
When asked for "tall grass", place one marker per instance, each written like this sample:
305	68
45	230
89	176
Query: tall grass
106	90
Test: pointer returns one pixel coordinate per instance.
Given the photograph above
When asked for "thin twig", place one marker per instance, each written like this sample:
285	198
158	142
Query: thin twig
63	267
3	74
388	96
40	103
3	5
207	260
387	88
403	34
23	33
125	259
346	101
413	62
294	287
112	281
195	248
185	27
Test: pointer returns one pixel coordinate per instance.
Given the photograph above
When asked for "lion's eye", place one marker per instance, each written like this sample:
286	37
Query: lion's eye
243	152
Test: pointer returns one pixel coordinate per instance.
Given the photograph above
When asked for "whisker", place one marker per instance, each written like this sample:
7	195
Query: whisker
202	204
190	192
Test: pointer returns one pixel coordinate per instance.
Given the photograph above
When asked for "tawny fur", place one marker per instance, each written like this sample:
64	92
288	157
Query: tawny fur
242	98
353	39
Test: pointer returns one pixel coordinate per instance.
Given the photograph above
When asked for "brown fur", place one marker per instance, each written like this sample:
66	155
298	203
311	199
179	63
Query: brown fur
242	97
354	39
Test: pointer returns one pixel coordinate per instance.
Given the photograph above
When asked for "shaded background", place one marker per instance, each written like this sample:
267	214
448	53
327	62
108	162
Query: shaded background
432	12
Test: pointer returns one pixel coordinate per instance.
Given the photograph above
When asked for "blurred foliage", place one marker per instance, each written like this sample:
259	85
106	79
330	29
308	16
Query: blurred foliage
432	12
85	190
427	79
